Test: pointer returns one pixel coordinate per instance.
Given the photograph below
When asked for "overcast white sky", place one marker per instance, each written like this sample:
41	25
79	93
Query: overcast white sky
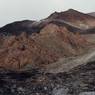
13	10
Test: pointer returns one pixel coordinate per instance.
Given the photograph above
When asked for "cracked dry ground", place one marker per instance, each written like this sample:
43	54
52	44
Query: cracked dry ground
36	82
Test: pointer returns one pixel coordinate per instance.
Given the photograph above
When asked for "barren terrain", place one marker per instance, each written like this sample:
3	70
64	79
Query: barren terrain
53	56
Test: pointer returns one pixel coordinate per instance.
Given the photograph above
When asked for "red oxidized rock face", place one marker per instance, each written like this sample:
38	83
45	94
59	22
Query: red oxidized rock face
52	43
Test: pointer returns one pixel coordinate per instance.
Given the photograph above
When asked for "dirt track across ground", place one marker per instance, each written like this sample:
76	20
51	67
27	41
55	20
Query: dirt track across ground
64	65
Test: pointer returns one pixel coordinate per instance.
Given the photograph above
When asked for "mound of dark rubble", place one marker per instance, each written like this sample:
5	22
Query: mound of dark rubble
78	81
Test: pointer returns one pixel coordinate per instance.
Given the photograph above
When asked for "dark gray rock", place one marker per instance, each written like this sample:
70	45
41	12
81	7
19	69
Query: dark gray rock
87	93
78	81
60	91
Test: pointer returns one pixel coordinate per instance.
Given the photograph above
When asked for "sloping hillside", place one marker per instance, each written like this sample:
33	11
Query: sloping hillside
79	19
38	49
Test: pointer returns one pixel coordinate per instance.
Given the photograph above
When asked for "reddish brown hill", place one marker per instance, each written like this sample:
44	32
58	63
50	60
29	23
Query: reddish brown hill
18	52
52	43
74	17
60	40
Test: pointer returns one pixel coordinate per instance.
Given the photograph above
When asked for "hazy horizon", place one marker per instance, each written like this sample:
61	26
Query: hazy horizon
15	10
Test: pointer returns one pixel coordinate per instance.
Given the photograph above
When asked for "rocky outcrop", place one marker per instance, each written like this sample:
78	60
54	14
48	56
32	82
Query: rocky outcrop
60	40
36	50
20	51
